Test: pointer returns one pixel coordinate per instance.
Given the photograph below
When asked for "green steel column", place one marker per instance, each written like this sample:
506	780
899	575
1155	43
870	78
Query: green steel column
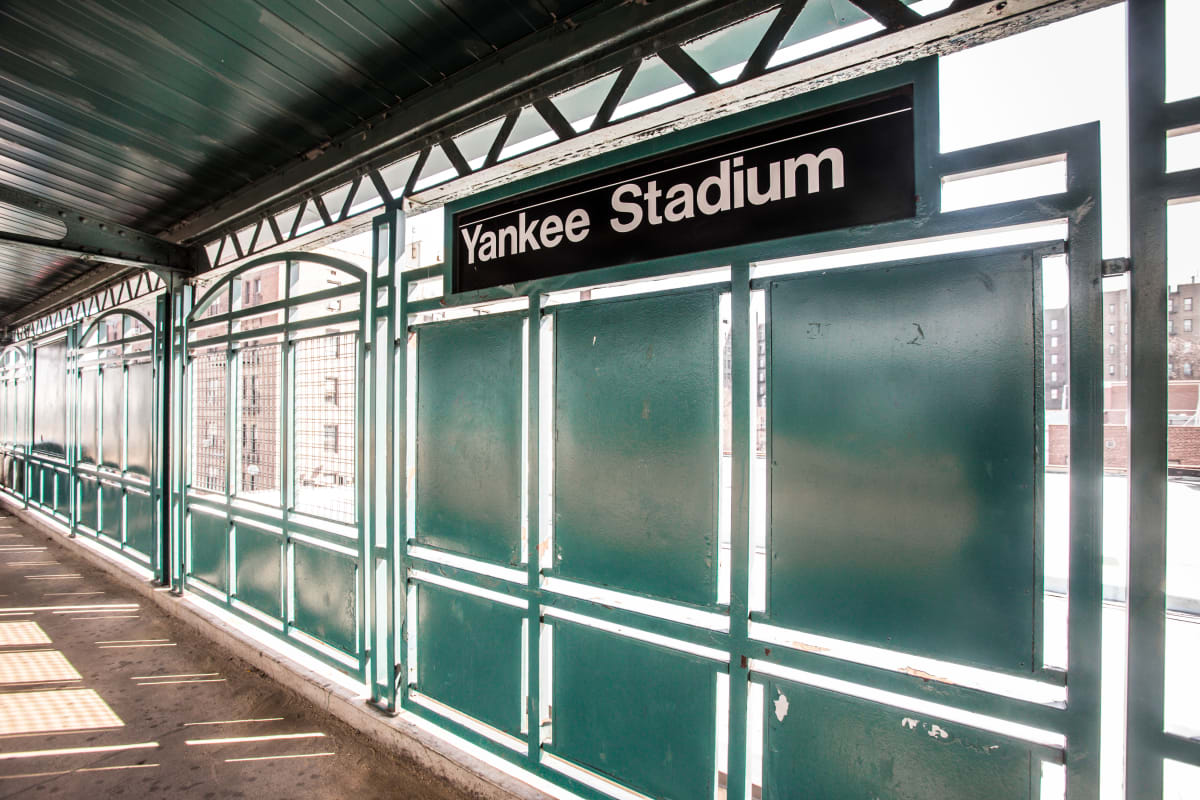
532	527
382	529
1087	475
377	526
179	409
32	404
75	383
739	531
287	462
1146	25
72	443
160	480
364	485
399	515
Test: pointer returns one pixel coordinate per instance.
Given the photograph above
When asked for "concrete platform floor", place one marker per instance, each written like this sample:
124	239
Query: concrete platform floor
103	696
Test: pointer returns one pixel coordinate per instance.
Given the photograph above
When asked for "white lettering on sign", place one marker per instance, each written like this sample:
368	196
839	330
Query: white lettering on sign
526	235
636	204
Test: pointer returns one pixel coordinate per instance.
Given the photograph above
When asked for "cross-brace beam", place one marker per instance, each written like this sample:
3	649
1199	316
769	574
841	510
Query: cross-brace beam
43	225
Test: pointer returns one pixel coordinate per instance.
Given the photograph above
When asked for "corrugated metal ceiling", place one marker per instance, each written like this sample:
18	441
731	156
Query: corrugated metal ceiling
144	111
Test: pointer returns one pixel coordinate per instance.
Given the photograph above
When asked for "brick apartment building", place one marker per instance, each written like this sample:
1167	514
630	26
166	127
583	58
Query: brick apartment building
323	399
1183	374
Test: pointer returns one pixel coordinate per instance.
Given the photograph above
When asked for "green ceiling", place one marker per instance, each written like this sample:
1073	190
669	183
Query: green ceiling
144	111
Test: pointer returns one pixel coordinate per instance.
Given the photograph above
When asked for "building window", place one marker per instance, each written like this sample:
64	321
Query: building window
1187	326
1054	341
1112	369
1187	304
331	390
1125	329
1170	305
1187	369
1054	358
1126	368
1170	326
1054	324
331	438
1054	377
1054	394
1112	349
1112	329
1112	308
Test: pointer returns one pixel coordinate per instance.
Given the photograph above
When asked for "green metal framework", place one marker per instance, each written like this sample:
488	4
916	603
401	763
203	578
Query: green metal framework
102	476
17	407
270	350
404	154
491	578
453	676
1152	189
115	463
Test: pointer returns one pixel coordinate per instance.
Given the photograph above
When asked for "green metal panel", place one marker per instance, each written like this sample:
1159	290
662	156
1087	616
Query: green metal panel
634	712
89	416
139	523
140	445
208	549
38	493
470	655
62	492
89	503
258	580
903	457
50	391
468	492
112	419
636	428
111	502
18	478
819	744
325	586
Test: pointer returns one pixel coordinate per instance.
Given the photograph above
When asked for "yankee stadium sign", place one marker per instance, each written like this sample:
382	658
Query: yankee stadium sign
838	167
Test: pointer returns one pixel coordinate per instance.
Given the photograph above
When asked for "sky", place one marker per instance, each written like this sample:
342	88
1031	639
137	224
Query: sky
1074	72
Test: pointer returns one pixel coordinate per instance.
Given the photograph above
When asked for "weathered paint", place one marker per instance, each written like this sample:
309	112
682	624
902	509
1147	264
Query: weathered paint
841	748
903	450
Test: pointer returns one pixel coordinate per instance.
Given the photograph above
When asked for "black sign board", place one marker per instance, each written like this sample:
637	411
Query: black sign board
847	165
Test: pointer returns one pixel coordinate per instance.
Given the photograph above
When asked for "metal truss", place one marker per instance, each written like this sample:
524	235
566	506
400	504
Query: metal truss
710	62
132	287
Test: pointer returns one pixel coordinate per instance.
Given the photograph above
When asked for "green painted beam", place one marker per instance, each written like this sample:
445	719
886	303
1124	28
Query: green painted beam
65	231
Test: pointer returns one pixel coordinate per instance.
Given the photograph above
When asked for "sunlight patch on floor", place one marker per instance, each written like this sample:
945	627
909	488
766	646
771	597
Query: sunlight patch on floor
35	666
54	710
22	633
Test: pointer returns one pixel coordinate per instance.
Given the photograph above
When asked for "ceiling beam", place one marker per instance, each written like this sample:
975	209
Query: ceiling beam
973	24
33	222
600	39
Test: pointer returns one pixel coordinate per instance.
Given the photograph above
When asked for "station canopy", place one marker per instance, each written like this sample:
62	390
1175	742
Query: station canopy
139	133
